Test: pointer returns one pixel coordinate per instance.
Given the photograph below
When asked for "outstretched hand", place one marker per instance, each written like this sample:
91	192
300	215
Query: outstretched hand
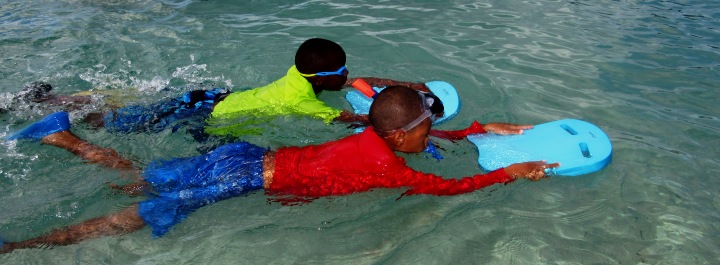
506	128
534	170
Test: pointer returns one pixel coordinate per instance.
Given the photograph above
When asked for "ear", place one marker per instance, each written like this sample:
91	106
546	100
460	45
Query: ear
315	80
396	139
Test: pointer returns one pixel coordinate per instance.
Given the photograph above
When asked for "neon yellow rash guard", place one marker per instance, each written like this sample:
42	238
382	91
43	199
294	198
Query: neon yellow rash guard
291	94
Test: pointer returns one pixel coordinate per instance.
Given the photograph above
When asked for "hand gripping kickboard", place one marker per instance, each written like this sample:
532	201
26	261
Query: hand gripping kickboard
580	147
443	90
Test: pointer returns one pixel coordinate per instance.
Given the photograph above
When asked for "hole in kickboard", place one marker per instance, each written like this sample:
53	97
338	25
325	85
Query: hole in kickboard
569	129
585	150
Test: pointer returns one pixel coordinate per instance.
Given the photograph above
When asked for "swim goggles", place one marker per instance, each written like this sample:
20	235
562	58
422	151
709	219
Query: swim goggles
432	106
342	71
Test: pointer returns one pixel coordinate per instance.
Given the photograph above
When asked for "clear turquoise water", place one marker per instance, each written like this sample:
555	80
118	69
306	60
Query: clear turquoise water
644	71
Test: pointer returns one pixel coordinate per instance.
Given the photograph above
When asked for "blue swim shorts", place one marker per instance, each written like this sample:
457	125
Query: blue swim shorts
181	185
191	107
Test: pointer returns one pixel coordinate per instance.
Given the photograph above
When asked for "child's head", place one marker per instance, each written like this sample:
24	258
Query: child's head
322	62
402	117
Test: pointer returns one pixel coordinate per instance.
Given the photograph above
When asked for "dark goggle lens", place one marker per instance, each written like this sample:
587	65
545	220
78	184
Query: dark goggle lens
433	103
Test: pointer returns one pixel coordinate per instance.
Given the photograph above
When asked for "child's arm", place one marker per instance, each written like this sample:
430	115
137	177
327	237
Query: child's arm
422	183
477	128
349	117
381	82
506	128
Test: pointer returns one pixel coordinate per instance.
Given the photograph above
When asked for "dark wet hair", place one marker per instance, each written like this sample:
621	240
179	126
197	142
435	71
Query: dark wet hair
319	55
36	91
394	107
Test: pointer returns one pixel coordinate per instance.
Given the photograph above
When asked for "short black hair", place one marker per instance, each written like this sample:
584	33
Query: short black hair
319	55
394	107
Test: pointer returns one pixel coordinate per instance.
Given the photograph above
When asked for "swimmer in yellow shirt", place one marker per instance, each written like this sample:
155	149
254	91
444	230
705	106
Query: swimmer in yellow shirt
319	66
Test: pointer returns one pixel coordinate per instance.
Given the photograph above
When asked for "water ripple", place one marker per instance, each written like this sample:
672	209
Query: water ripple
644	71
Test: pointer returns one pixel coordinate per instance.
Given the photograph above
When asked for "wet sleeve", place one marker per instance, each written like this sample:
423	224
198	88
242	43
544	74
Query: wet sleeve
424	183
475	128
318	109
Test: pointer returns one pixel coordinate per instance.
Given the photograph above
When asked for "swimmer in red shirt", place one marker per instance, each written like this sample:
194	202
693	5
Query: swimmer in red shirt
400	118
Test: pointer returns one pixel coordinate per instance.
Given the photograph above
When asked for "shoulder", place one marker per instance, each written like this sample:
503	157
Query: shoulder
370	145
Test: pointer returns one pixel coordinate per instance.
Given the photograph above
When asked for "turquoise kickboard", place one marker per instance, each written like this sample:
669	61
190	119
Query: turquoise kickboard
443	90
580	147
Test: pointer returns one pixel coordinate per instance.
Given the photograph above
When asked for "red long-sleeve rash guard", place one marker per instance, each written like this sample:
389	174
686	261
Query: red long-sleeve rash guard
475	128
362	162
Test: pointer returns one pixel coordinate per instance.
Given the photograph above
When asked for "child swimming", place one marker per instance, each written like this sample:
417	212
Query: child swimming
320	65
400	120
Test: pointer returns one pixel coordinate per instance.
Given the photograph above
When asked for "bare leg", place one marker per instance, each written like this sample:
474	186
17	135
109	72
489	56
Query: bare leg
93	153
120	223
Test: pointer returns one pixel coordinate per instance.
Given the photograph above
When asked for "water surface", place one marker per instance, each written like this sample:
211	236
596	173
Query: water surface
644	71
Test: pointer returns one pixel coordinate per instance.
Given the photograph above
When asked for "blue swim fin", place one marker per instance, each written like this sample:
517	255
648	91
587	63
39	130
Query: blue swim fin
56	122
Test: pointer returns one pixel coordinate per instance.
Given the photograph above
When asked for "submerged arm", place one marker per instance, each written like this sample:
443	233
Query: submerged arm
349	117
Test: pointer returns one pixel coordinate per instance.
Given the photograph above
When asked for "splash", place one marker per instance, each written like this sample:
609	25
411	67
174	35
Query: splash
130	78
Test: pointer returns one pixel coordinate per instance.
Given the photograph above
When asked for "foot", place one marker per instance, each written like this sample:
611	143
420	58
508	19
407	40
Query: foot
53	123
